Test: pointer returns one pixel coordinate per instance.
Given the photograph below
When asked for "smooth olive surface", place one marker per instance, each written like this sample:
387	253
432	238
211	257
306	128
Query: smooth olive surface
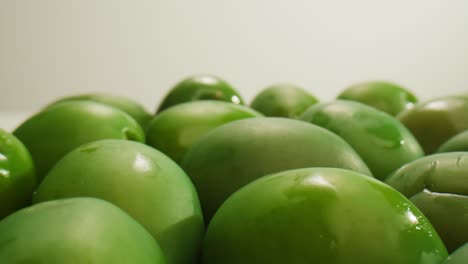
379	138
52	133
17	179
142	181
239	152
283	100
320	215
385	96
438	186
78	231
201	87
459	142
460	256
129	106
173	131
434	122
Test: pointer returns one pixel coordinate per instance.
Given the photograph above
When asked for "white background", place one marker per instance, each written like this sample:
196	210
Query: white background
140	48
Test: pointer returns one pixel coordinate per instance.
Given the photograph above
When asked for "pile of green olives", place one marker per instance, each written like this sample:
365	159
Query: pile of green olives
373	176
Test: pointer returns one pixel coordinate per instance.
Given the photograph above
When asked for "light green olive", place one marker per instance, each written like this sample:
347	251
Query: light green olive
142	181
52	133
200	87
79	231
176	129
460	256
320	215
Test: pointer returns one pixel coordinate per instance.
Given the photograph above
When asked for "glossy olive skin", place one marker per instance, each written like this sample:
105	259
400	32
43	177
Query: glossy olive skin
385	96
320	215
60	128
78	230
17	179
438	186
237	153
142	181
434	122
379	138
175	130
460	256
129	106
283	100
459	142
201	87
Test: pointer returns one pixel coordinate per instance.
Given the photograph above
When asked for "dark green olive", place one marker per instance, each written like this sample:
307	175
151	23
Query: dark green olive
385	96
379	138
201	87
434	122
283	100
438	186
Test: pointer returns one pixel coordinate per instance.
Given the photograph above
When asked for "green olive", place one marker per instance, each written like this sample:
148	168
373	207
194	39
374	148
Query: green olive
17	179
201	87
283	100
434	122
142	181
173	131
320	215
459	142
131	107
239	152
438	186
460	256
79	231
385	96
52	133
379	138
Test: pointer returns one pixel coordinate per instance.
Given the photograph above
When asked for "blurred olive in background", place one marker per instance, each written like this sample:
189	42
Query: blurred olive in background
129	106
385	96
283	100
433	122
176	129
200	87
